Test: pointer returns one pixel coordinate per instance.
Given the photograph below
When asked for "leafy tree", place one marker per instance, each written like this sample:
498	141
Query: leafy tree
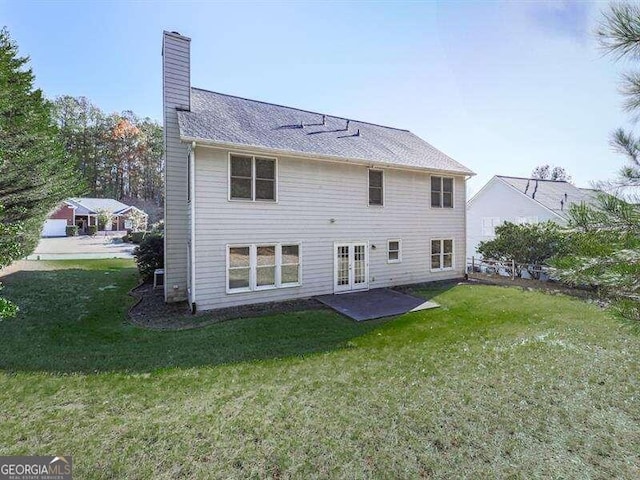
619	35
528	245
545	172
104	218
138	220
119	155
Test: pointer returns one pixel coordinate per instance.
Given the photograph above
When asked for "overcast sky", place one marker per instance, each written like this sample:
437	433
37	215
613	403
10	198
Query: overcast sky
500	86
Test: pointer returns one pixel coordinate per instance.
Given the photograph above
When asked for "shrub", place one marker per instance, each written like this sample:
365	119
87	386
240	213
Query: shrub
528	245
93	229
149	255
71	230
138	237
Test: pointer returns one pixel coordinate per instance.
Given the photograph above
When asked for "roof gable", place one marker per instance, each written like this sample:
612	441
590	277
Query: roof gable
556	196
88	205
225	119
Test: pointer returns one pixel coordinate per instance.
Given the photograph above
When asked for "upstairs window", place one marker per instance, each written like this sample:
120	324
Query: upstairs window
252	178
442	192
376	193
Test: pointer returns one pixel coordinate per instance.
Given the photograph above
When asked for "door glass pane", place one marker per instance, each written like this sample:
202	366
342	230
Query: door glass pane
265	169
238	278
343	265
265	190
238	257
359	264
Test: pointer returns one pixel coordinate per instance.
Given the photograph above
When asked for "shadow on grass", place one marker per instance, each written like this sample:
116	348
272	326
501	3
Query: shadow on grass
73	320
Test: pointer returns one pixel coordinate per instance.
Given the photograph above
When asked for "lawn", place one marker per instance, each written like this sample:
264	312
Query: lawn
498	383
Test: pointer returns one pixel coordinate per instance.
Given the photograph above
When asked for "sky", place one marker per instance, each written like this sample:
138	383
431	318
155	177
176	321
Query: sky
499	86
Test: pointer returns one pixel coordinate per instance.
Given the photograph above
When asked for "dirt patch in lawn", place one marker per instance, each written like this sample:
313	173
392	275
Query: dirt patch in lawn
151	311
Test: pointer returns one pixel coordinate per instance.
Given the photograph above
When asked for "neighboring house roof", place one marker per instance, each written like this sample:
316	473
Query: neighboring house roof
235	121
86	206
554	195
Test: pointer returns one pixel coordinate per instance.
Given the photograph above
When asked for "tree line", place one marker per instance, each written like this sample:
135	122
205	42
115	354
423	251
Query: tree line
117	155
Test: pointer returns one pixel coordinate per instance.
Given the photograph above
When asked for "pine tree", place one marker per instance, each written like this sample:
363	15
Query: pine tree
35	174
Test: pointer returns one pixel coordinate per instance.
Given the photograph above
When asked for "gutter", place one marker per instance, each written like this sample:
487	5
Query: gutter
314	156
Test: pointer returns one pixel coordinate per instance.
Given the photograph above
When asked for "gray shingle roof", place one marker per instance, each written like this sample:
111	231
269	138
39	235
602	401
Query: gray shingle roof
92	205
226	119
554	195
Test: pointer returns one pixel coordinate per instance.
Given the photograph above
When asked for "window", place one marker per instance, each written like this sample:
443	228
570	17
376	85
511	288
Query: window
290	265
376	187
441	254
239	268
442	192
489	225
393	251
261	267
252	178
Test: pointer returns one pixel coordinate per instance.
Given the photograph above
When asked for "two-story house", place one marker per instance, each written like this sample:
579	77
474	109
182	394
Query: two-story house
267	203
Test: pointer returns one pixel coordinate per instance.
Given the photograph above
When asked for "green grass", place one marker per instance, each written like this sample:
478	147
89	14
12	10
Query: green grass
498	383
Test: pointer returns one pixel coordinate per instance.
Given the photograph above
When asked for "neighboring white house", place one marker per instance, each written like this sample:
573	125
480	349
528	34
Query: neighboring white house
519	200
267	203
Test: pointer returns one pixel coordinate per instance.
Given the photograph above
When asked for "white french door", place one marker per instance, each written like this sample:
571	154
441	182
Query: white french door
351	267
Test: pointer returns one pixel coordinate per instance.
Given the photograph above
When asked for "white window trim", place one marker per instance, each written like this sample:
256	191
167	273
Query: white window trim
384	188
453	254
253	177
453	191
253	264
399	260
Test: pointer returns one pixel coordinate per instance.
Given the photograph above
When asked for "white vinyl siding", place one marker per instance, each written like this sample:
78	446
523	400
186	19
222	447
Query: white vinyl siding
312	193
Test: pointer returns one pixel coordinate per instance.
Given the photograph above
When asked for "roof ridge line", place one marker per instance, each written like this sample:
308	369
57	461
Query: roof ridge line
302	110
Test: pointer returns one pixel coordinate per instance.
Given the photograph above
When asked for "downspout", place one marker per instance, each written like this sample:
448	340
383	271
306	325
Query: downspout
192	182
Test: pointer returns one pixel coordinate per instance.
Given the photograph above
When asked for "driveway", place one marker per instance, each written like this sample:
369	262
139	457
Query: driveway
82	247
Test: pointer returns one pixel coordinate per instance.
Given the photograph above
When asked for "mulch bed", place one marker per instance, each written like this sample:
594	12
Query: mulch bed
150	311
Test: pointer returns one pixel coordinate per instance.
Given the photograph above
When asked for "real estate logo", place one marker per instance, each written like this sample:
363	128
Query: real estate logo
36	468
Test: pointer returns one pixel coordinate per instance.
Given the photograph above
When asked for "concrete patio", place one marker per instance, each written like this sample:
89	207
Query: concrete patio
377	303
